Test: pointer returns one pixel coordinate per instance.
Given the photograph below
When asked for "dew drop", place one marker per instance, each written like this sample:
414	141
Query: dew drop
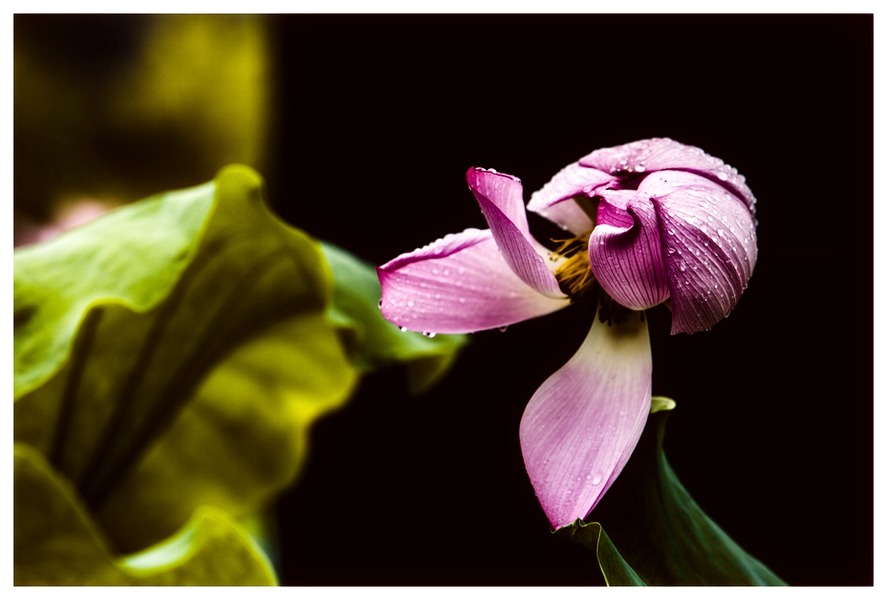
640	168
380	303
429	334
596	480
504	328
404	329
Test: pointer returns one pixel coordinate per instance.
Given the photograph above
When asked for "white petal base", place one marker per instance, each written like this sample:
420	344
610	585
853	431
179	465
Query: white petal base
583	423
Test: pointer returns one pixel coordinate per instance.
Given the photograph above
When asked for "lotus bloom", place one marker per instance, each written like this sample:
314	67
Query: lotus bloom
649	222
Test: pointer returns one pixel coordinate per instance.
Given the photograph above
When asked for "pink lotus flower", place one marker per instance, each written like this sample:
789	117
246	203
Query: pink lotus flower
650	222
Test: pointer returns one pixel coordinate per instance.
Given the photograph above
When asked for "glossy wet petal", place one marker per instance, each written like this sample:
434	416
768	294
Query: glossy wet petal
582	424
710	248
500	197
458	284
555	200
625	251
657	154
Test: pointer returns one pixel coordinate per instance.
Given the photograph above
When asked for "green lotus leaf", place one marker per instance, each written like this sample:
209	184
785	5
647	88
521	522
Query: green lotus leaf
375	341
614	568
242	438
173	353
57	541
662	535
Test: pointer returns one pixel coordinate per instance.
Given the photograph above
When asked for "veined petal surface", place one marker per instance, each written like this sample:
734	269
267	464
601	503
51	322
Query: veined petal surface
458	284
657	154
555	200
625	250
500	197
710	247
583	423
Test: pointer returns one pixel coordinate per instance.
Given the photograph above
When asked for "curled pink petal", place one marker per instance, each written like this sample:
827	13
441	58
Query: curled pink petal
583	423
501	200
625	251
458	284
554	200
657	154
710	247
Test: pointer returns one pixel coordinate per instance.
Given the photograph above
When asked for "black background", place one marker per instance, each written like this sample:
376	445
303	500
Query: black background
377	119
381	116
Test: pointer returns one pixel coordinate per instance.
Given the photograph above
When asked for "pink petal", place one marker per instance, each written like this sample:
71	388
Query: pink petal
555	200
583	423
657	154
710	247
458	284
501	200
625	251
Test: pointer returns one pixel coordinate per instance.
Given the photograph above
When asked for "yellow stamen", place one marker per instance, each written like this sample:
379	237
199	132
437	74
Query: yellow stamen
573	272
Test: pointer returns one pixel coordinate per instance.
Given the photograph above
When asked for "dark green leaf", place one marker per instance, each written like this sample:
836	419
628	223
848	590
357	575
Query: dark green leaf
377	342
658	528
616	571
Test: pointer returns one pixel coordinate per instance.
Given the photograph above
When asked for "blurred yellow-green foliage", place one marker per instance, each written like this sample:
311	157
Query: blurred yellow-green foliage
117	107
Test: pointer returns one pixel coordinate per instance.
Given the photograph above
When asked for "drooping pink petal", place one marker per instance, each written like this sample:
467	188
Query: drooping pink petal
583	423
710	247
657	154
500	197
555	200
458	284
625	250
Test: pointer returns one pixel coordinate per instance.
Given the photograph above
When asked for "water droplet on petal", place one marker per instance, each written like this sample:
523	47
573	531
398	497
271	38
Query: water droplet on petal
596	480
380	303
429	334
404	329
504	328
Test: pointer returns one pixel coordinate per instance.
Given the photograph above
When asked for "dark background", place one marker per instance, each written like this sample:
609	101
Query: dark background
377	119
772	434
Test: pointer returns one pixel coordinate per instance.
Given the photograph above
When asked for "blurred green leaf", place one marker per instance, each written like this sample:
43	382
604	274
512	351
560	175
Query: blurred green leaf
375	341
191	90
663	537
243	438
173	353
57	542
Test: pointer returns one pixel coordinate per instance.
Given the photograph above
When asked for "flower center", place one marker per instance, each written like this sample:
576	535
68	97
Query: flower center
573	271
